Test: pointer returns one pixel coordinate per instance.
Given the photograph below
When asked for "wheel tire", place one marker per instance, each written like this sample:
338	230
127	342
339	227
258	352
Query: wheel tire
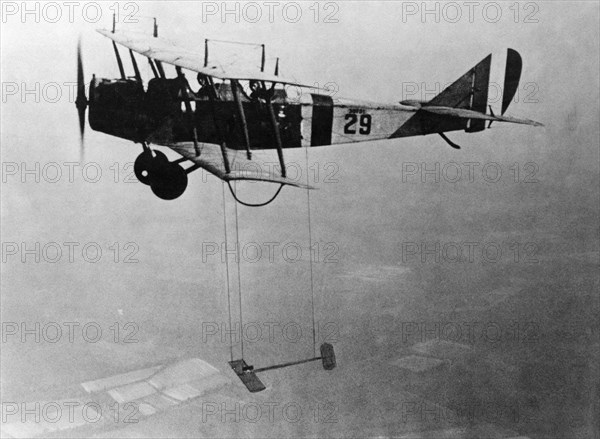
146	163
169	181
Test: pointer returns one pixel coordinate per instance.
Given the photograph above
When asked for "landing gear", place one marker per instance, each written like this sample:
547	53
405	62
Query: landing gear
146	164
167	179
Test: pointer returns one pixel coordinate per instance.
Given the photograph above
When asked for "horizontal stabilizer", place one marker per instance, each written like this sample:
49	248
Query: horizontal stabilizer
475	115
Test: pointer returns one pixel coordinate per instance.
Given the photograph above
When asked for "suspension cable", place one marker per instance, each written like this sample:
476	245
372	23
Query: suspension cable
227	269
312	288
237	239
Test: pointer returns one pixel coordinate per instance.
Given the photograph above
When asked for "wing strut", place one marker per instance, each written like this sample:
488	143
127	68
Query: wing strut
213	107
188	107
158	63
160	69
121	69
138	76
240	108
153	67
205	53
268	95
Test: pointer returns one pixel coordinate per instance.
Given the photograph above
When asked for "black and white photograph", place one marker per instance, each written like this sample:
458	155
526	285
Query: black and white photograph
300	219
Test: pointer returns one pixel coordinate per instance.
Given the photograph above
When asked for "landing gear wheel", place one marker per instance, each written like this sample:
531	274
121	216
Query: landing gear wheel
146	163
169	181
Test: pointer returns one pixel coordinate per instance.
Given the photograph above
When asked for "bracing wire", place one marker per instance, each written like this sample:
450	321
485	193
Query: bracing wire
233	193
312	288
227	269
237	239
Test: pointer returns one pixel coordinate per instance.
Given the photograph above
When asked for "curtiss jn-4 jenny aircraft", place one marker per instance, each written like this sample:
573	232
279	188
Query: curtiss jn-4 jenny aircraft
218	125
243	111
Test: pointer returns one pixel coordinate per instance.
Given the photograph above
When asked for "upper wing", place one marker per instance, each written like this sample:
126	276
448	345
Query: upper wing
211	159
165	51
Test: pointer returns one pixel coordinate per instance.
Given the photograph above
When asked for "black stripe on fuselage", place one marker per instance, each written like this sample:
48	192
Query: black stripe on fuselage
322	120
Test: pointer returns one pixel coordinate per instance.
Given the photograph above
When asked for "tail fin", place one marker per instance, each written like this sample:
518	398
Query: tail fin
469	92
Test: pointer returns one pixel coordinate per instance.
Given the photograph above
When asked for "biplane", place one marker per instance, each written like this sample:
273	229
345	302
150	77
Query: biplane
230	114
244	111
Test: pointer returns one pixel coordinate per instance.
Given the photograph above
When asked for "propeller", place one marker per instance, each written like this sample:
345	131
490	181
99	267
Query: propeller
81	101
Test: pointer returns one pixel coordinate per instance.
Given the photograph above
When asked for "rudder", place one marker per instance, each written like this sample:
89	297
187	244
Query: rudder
512	76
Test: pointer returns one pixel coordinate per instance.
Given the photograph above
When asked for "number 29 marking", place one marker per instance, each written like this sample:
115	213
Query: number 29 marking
365	124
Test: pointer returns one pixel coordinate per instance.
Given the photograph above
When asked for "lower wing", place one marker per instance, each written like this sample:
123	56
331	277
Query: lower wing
211	159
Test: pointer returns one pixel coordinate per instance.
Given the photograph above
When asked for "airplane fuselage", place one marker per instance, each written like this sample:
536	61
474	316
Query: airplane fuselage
159	115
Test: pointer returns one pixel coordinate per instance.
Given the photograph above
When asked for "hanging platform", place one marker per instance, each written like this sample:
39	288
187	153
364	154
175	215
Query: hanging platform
248	376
